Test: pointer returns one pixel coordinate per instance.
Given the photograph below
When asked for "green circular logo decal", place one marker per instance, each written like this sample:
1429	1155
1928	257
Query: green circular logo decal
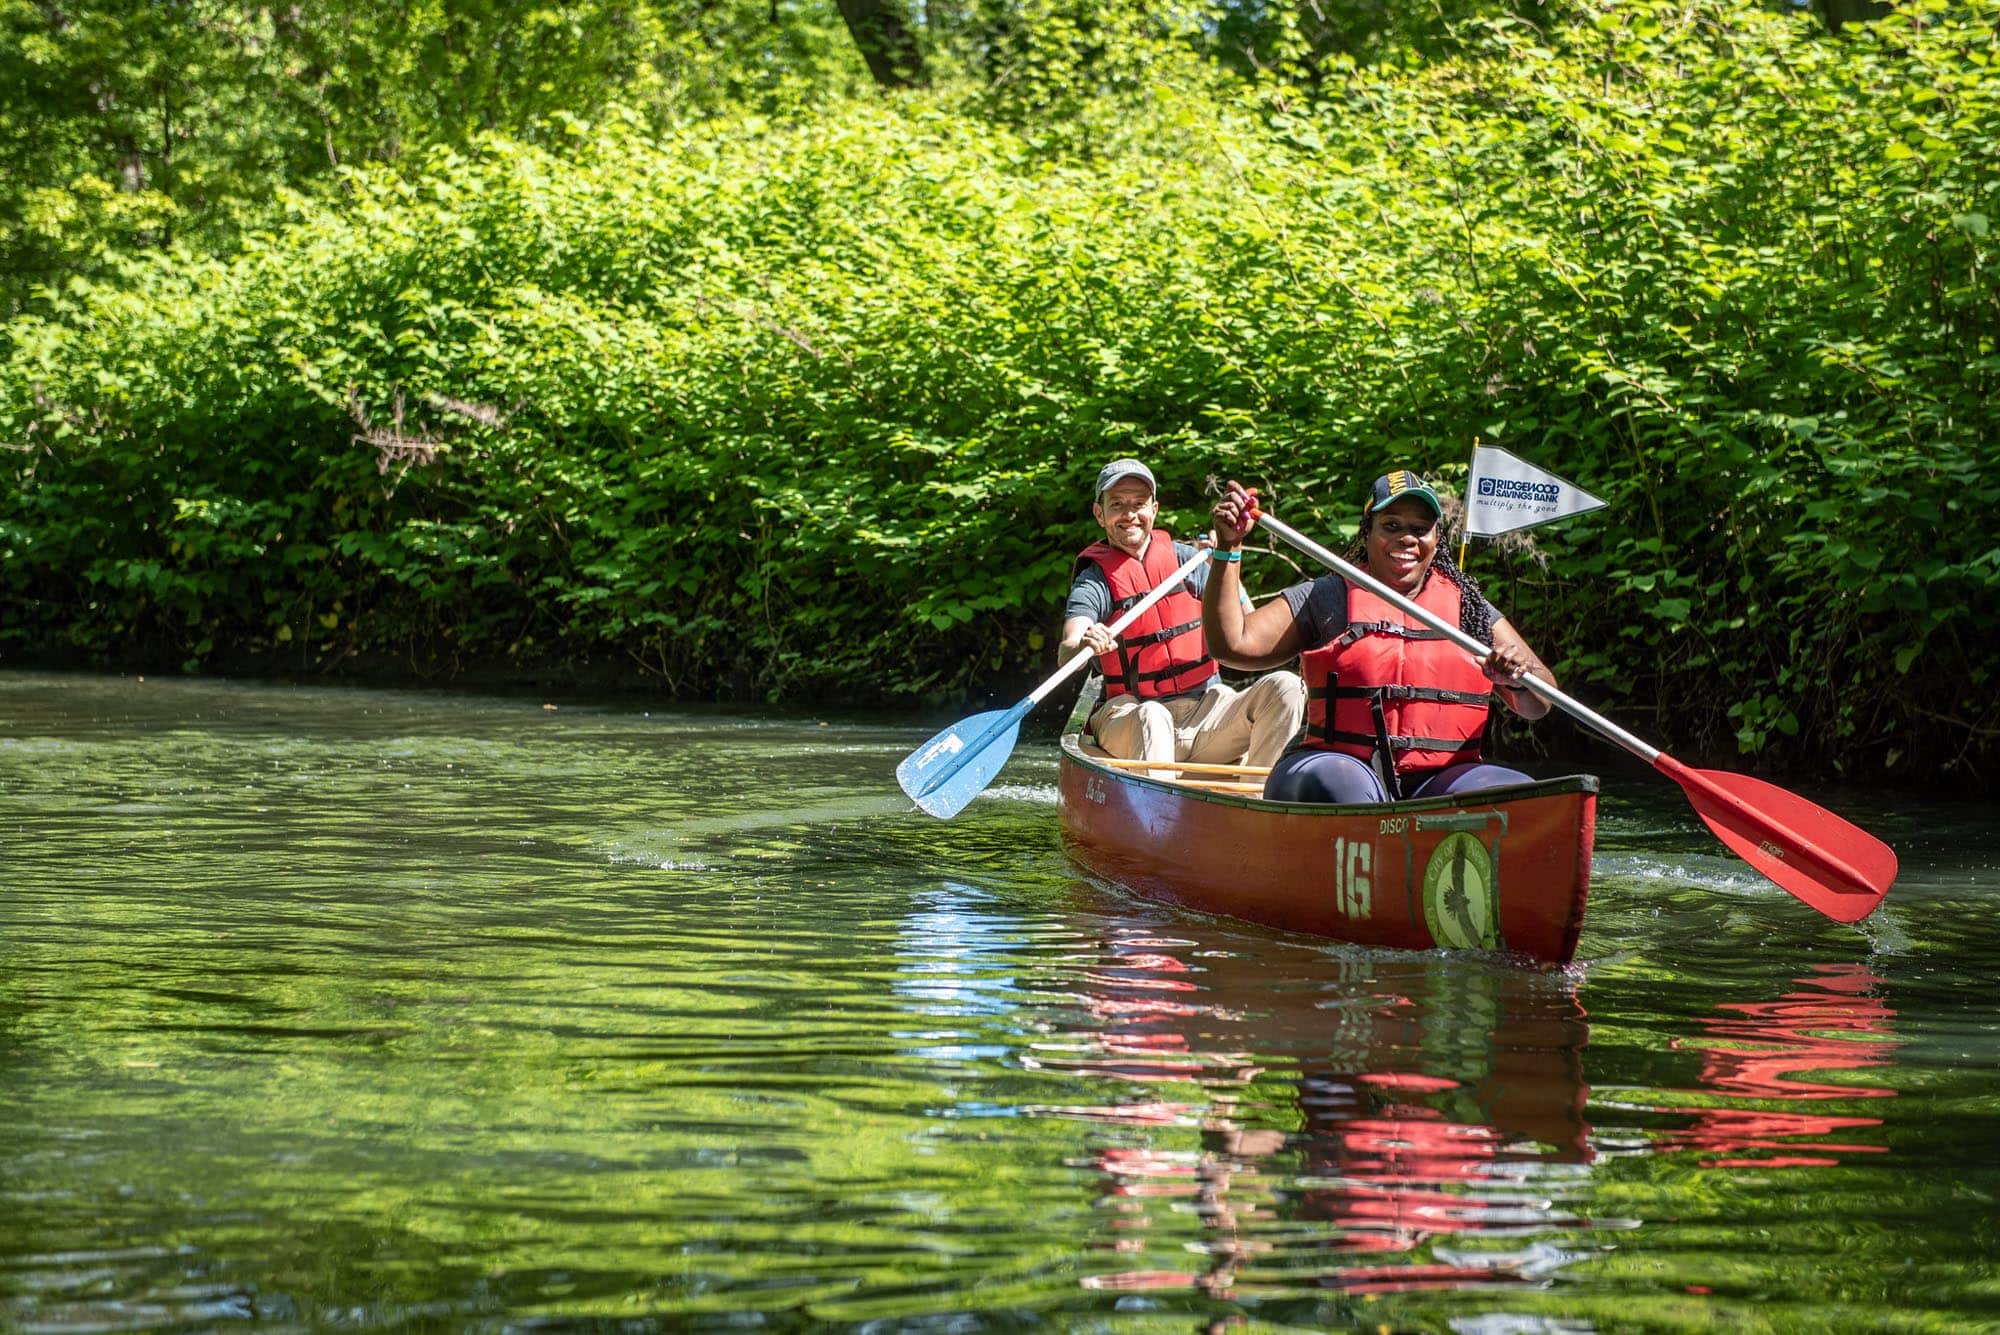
1459	906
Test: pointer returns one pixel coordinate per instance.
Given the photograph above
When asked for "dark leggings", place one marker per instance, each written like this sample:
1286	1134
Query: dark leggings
1309	775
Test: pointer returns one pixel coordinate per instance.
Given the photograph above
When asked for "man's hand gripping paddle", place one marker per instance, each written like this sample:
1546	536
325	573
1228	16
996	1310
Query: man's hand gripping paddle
955	766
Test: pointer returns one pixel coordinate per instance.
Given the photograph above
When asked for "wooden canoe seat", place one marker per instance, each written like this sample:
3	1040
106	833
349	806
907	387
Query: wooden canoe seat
1238	780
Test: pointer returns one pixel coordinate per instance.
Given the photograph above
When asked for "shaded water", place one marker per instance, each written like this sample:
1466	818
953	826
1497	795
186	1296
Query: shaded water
366	1009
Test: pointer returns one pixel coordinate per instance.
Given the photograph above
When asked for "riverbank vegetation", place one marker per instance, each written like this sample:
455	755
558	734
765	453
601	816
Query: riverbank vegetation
743	374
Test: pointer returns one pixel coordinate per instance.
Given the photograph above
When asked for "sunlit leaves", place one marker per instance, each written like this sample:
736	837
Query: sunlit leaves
808	404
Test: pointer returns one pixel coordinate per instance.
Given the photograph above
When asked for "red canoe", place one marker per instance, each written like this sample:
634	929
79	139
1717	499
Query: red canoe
1503	869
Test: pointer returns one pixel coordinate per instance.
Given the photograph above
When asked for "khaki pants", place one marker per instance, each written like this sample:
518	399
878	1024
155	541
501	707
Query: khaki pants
1221	726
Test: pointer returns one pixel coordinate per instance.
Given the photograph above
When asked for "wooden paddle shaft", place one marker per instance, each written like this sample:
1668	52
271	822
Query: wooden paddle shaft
1185	766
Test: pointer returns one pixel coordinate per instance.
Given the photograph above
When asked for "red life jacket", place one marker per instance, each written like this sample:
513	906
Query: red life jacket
1163	652
1395	683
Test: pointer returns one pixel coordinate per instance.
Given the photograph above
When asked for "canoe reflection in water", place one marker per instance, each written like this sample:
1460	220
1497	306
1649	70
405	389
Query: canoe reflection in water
1358	1107
1761	1051
1403	1122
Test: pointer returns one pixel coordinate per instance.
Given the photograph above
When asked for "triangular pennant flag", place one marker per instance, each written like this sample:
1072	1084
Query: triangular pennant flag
1505	493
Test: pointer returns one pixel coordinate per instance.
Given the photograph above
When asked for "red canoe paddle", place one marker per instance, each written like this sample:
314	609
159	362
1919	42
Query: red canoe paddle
1833	865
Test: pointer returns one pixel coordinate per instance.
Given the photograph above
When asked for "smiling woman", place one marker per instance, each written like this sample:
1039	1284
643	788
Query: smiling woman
1393	708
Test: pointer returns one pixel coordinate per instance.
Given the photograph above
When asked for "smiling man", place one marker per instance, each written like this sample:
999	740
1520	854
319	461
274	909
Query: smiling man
1164	699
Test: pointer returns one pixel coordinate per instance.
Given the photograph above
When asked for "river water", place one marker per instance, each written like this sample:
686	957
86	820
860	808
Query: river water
360	1009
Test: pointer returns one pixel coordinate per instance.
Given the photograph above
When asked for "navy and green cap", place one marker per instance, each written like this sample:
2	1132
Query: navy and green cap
1394	486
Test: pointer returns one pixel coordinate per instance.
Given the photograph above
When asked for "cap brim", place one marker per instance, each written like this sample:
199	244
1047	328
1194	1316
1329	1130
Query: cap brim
1437	506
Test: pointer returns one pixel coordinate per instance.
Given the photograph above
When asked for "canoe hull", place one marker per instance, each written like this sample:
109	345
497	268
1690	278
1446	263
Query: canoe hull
1506	869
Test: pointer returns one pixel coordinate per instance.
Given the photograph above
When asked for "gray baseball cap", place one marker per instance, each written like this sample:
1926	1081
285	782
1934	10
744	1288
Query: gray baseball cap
1118	470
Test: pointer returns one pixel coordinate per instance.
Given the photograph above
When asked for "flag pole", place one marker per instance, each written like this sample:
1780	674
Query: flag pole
1465	506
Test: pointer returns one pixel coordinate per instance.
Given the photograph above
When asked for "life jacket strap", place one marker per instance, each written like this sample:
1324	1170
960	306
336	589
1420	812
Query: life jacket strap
1397	692
1385	755
1407	692
1357	629
1204	668
1132	642
1179	669
1401	743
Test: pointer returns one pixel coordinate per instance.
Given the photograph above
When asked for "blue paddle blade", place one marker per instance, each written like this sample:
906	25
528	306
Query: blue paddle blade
955	766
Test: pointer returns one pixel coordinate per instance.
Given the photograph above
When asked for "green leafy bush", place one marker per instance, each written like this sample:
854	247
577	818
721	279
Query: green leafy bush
810	409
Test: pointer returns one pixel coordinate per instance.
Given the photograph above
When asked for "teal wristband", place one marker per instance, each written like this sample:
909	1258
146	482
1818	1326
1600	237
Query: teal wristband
1219	555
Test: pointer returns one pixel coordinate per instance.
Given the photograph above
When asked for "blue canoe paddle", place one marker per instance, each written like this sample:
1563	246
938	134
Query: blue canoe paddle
1828	863
955	766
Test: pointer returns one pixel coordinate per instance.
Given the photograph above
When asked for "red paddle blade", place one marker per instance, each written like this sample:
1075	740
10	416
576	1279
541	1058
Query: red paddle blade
1832	864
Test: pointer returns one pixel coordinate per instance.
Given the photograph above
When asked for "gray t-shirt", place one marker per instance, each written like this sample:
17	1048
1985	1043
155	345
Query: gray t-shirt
1319	606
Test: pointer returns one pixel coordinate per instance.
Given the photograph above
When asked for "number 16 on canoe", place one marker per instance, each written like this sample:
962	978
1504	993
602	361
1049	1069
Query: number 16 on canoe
955	766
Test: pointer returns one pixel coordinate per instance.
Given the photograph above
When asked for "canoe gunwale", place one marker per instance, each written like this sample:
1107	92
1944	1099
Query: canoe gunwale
1570	783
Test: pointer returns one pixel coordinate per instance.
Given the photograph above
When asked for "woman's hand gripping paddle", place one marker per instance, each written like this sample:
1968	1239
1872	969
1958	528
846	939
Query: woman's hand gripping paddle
955	766
1834	866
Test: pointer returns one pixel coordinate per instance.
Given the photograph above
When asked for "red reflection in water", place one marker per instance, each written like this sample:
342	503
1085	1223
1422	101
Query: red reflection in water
1451	1087
1403	1173
1839	1024
1446	1091
1145	997
1399	1172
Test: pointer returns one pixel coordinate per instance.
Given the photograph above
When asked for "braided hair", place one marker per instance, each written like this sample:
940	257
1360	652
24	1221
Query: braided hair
1475	616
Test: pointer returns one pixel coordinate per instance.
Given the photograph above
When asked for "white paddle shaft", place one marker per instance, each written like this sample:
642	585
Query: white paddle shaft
1166	586
1649	754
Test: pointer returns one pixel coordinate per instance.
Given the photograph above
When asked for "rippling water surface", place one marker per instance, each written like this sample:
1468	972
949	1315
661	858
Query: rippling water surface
362	1009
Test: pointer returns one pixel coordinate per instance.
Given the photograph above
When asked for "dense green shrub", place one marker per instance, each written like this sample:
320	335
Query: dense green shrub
810	410
127	128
